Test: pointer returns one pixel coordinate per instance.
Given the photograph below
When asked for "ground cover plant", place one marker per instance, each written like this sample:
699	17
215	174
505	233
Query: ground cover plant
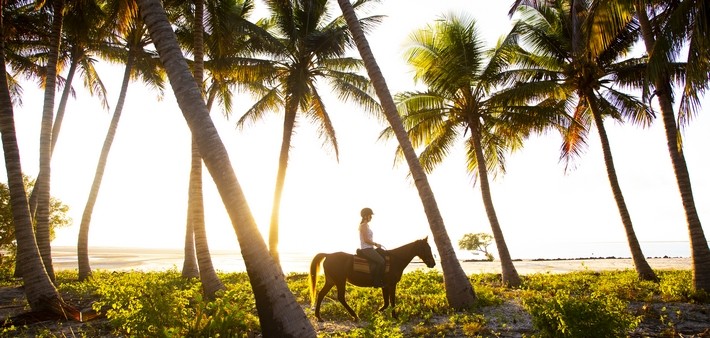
578	304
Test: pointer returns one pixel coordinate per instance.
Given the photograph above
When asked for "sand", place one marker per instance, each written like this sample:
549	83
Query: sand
564	266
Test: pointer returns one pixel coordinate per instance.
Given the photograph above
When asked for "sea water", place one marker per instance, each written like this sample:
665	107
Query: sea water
147	259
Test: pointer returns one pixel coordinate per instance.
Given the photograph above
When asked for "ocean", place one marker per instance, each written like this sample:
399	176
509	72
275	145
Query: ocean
147	259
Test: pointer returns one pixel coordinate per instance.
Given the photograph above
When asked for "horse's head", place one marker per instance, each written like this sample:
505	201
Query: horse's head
424	252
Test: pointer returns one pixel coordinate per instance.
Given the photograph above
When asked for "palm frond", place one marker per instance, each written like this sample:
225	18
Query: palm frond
270	102
629	107
318	114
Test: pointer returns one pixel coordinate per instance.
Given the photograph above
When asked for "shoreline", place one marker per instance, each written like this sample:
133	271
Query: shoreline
230	261
577	264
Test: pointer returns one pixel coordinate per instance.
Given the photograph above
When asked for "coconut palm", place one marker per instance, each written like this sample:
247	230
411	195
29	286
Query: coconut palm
81	40
567	57
459	292
677	25
310	48
38	286
139	62
279	313
26	51
45	142
196	235
461	76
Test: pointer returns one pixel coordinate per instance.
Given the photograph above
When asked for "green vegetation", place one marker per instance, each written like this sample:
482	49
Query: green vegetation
164	304
58	218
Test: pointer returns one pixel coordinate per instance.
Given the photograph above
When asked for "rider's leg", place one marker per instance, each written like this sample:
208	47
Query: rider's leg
379	272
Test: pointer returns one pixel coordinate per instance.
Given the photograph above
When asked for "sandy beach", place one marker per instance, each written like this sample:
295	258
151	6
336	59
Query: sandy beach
571	265
122	259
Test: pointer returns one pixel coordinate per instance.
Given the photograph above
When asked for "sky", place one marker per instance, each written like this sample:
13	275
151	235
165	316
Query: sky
143	198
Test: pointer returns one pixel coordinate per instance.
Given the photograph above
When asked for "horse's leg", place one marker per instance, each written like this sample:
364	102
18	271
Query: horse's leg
340	285
324	291
392	294
385	296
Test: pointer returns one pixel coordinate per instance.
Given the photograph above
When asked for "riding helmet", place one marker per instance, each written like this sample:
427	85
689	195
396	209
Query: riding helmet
366	212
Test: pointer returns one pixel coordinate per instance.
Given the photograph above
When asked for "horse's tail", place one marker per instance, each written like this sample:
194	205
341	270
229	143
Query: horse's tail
315	267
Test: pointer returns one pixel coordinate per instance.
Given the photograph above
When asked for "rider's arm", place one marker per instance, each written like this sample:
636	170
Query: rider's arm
367	239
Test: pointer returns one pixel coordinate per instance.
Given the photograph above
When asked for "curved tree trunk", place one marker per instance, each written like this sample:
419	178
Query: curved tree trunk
279	313
38	287
509	273
189	264
45	141
61	110
83	241
56	127
210	281
700	252
643	269
189	267
459	291
289	123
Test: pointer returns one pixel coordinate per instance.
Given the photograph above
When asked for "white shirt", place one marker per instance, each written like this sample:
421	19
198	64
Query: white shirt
365	240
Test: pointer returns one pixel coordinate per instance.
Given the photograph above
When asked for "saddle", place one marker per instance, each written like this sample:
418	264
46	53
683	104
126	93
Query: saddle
362	264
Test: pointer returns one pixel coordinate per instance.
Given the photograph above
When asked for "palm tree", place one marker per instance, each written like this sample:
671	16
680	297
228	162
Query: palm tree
25	51
211	283
309	49
459	292
82	39
38	286
279	313
567	57
663	36
138	62
45	143
449	57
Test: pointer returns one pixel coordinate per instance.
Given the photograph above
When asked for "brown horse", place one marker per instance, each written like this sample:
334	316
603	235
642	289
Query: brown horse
339	269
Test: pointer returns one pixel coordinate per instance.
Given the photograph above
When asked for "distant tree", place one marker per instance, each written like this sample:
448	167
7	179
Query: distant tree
477	243
57	219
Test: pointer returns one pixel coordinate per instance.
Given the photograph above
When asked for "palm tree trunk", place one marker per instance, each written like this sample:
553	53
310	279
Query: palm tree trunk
56	127
190	268
83	241
279	313
459	291
508	272
45	141
289	123
700	252
643	269
210	281
38	287
61	110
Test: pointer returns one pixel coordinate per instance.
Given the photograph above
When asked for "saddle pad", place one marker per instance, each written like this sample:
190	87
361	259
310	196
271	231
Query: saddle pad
363	265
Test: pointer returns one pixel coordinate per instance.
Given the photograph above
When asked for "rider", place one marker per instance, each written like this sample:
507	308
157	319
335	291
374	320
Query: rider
367	248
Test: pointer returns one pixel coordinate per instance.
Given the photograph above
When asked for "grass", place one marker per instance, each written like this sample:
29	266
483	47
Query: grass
163	304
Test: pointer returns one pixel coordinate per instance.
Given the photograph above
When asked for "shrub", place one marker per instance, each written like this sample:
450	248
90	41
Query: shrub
148	303
565	315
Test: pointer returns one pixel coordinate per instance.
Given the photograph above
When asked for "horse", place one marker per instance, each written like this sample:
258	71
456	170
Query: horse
339	268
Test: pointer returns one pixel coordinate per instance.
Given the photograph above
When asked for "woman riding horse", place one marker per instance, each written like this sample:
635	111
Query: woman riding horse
368	248
339	269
